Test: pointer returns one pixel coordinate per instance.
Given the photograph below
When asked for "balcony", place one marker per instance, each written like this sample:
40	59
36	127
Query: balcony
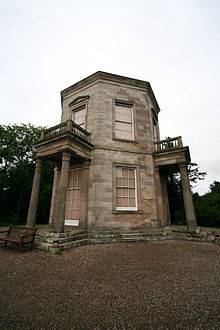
170	152
65	136
169	143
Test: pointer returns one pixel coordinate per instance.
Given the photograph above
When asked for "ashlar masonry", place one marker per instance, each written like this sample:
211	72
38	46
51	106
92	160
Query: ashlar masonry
110	164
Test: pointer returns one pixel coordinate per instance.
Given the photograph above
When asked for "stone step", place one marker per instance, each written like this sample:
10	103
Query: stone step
72	233
131	234
134	239
72	244
42	246
59	240
104	235
48	241
106	240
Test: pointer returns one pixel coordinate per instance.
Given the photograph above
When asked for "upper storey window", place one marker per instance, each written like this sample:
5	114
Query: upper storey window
79	116
78	110
124	121
156	134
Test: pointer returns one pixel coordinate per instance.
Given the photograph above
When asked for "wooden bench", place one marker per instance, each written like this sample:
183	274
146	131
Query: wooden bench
19	235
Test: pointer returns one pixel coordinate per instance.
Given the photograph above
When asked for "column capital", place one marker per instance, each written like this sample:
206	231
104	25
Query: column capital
85	165
183	165
38	161
37	158
66	155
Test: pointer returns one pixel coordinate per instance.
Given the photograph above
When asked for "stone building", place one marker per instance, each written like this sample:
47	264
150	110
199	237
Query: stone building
110	164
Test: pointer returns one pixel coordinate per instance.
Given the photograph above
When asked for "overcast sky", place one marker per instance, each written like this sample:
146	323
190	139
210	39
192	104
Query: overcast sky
47	45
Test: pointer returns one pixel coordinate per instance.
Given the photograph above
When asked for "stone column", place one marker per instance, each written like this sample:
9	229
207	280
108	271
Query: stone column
32	211
53	197
187	196
61	193
159	197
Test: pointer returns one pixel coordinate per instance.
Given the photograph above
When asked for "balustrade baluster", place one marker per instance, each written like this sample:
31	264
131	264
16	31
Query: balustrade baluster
167	144
70	126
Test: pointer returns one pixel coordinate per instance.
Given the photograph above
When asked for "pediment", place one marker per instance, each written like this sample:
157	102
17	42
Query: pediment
78	100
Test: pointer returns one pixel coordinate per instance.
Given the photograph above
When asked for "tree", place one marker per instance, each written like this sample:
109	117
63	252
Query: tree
16	143
194	174
17	171
207	207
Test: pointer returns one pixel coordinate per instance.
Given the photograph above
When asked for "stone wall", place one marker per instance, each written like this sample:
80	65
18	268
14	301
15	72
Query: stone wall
108	151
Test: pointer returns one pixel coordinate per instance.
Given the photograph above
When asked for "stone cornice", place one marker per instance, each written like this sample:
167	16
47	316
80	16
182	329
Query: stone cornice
100	75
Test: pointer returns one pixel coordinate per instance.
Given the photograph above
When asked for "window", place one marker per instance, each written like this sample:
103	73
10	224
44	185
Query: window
155	130
155	124
124	127
73	198
125	189
79	116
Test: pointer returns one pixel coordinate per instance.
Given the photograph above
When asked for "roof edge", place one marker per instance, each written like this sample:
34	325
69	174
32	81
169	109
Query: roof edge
115	78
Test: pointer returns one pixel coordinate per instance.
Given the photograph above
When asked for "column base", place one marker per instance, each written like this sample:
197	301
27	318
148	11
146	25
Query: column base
191	226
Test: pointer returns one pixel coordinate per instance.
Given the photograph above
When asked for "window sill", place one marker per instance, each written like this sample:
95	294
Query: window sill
124	140
127	212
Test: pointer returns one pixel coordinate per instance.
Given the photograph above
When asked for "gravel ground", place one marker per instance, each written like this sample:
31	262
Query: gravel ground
157	285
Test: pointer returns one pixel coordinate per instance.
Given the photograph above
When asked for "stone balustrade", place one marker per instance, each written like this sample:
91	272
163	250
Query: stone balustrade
168	144
66	127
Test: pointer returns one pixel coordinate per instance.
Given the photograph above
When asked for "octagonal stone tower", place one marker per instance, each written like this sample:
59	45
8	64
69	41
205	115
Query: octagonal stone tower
110	165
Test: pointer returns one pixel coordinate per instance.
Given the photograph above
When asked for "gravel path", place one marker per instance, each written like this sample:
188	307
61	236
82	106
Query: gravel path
158	285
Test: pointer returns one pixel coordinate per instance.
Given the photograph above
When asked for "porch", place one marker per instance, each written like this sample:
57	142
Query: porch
171	155
65	144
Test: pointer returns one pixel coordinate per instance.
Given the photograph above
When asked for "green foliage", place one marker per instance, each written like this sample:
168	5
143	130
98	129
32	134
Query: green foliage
17	171
16	145
207	207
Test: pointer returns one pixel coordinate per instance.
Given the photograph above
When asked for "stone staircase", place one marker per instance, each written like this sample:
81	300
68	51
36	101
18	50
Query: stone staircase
50	241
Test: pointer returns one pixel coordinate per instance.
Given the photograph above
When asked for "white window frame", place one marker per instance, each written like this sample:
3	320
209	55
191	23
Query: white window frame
127	208
126	105
78	108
